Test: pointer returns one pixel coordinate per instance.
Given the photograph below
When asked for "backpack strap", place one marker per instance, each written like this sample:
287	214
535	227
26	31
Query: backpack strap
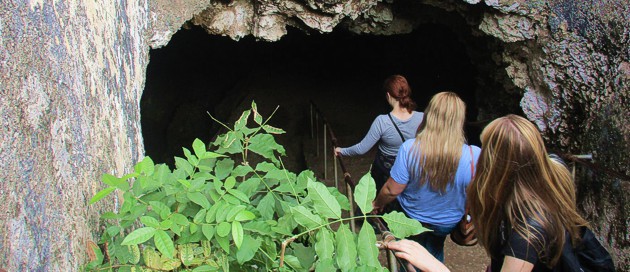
472	163
397	129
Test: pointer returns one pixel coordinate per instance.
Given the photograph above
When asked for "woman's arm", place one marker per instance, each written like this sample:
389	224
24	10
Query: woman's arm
389	192
370	139
416	255
514	264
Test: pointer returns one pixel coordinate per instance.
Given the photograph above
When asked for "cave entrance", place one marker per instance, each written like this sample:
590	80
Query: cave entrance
341	71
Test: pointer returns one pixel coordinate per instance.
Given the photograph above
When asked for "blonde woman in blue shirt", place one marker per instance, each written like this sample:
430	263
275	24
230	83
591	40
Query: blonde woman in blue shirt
432	172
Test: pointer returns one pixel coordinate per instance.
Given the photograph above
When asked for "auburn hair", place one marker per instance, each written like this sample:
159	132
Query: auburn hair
438	144
398	88
518	183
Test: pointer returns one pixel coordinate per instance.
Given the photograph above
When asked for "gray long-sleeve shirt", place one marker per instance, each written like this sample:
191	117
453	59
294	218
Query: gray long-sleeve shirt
384	131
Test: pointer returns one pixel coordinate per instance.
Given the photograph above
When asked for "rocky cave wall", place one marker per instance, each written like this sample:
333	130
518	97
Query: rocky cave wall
73	71
71	76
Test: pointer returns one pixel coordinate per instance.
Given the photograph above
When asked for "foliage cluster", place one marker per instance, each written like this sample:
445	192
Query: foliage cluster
216	212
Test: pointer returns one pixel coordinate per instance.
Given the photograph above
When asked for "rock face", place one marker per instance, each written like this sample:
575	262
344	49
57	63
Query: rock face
72	74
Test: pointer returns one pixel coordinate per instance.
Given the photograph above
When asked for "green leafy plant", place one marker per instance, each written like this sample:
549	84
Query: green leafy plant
216	212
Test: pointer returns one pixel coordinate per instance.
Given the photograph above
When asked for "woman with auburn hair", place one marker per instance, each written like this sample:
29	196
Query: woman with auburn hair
432	172
522	202
388	130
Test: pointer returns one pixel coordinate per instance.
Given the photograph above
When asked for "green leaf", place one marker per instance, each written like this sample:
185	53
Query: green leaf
229	198
324	244
223	229
249	186
265	145
184	165
218	187
220	211
101	194
325	265
238	194
364	193
368	252
199	147
266	206
402	226
293	262
257	117
198	182
233	211
323	201
166	224
180	219
346	248
177	229
113	230
305	218
229	183
242	121
305	254
199	199
224	242
247	250
205	268
242	170
200	216
193	228
115	182
161	209
244	215
273	130
109	215
151	258
138	236
211	216
258	227
237	233
344	203
223	168
150	221
134	251
98	253
184	182
208	231
186	254
164	243
146	166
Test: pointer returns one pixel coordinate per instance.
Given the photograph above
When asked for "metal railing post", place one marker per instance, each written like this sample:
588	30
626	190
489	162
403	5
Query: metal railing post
350	196
311	121
317	137
325	155
335	166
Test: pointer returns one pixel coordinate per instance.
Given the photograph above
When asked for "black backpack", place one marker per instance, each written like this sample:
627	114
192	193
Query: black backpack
588	256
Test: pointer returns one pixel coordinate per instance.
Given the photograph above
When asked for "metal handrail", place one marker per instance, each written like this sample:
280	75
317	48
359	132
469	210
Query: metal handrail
386	235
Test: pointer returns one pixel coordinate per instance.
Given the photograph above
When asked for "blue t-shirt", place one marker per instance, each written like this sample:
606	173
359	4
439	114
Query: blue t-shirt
424	204
384	132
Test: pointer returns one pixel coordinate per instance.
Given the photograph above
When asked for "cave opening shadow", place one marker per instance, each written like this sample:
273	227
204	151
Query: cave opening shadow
197	74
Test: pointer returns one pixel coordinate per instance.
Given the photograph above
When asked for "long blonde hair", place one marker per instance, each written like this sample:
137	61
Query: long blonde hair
438	144
516	182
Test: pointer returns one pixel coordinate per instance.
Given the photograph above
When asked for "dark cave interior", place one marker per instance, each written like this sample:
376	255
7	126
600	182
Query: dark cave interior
197	73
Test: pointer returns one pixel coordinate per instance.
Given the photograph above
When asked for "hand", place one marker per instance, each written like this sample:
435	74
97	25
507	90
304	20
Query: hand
416	255
376	209
338	151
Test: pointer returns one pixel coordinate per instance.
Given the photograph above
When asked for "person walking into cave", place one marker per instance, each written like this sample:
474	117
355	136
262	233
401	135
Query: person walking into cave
388	130
431	172
523	205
